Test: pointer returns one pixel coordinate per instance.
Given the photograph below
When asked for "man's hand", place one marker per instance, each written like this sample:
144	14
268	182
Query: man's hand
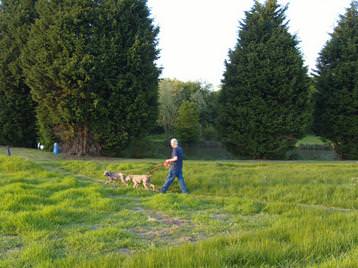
169	161
166	163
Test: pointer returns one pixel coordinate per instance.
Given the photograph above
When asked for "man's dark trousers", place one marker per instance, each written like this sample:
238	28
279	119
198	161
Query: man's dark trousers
171	177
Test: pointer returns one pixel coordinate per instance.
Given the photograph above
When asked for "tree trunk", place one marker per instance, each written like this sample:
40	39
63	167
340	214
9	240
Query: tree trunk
81	144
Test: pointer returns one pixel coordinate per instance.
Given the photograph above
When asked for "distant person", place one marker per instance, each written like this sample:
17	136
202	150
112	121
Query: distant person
8	150
176	167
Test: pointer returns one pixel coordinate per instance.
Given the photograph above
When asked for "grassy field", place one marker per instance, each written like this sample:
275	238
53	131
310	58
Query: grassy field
311	139
57	212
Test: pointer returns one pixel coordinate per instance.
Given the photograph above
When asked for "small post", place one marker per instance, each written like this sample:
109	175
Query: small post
56	148
8	150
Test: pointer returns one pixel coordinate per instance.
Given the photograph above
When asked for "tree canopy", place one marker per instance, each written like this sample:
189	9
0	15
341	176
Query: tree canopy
336	109
17	116
92	72
264	101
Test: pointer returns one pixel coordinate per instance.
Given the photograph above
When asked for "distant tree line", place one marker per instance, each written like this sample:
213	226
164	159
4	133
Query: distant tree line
187	110
83	73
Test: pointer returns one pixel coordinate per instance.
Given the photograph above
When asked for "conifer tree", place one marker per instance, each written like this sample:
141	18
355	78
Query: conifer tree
265	97
91	68
336	109
17	116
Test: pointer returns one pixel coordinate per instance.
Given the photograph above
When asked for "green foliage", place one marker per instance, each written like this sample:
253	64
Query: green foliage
187	125
206	101
167	104
17	116
91	68
172	93
336	110
265	98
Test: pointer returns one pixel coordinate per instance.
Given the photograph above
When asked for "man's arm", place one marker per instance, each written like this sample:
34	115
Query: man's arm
170	160
174	158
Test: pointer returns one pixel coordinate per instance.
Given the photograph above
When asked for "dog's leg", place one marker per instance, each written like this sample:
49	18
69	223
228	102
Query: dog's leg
123	181
135	184
145	185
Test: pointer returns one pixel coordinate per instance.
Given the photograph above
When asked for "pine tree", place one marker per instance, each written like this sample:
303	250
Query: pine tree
187	125
17	116
91	68
336	109
265	97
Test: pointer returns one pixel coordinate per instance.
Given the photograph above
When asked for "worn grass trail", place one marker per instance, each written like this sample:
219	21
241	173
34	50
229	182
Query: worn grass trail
58	213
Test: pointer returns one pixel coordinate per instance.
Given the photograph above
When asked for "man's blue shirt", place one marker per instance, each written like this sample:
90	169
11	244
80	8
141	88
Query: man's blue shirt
178	152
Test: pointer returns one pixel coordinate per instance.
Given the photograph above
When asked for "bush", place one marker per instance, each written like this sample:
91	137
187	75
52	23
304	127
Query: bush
187	126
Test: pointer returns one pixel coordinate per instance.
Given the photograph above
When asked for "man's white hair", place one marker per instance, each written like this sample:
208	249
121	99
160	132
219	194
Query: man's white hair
174	142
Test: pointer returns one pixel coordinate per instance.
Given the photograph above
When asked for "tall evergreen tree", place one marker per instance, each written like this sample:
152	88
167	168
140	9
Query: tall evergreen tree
336	109
17	116
265	97
91	68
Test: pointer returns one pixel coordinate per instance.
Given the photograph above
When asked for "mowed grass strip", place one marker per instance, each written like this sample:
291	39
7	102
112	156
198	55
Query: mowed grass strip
58	213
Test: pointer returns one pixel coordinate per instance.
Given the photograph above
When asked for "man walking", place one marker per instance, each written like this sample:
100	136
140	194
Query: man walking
176	167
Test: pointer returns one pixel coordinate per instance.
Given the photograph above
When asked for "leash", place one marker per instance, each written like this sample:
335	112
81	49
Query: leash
155	168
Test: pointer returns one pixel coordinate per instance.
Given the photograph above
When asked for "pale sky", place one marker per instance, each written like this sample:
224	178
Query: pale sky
196	35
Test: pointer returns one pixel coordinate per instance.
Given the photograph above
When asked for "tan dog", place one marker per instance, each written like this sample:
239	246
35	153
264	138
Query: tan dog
138	179
115	176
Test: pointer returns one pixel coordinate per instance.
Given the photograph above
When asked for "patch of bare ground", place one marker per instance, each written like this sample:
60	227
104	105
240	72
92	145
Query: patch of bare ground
9	244
162	229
